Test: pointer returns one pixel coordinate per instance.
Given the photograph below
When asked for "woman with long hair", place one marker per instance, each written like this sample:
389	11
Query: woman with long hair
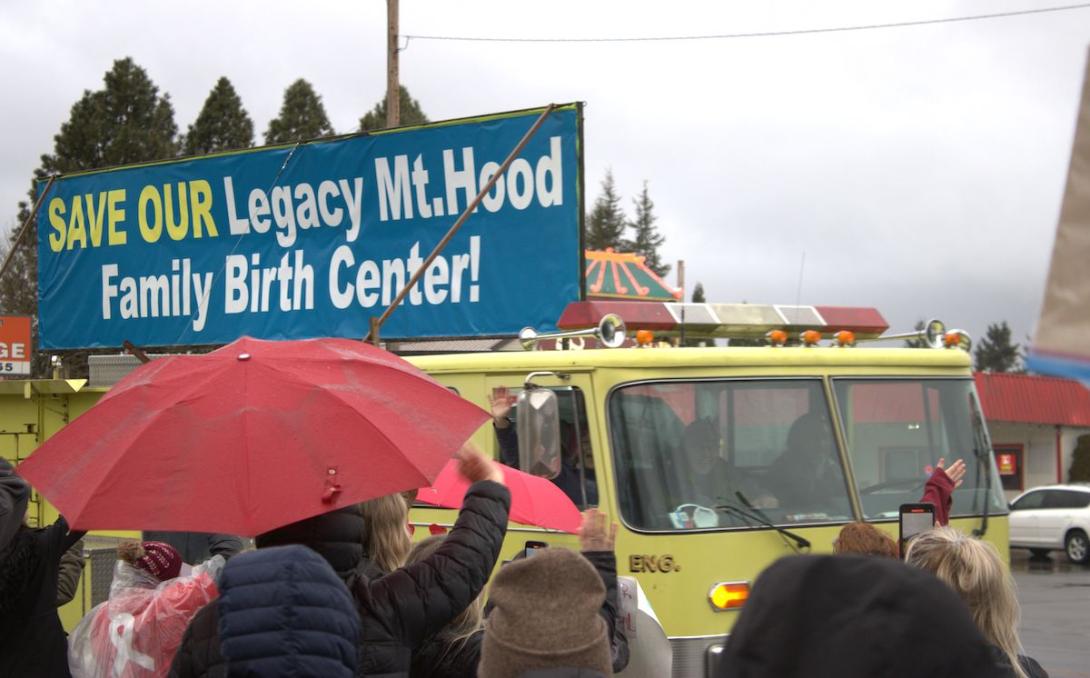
387	541
454	651
976	573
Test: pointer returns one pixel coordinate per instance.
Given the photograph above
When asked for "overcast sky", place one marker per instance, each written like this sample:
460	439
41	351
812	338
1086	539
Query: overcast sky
919	169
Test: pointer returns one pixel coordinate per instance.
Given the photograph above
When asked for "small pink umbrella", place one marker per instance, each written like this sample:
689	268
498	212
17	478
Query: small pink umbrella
534	500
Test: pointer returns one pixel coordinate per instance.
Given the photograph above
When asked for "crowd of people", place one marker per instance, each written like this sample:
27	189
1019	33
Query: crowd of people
348	593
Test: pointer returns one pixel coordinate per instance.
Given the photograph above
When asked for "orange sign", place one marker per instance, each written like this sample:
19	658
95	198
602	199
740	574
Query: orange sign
15	348
1008	464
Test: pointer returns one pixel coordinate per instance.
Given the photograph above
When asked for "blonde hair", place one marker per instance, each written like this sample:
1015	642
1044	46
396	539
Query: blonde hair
461	628
387	539
976	573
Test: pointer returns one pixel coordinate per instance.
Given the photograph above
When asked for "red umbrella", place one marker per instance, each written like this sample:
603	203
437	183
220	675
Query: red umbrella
255	435
534	500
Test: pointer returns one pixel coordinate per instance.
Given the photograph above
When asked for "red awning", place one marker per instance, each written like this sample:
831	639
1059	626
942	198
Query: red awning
1032	399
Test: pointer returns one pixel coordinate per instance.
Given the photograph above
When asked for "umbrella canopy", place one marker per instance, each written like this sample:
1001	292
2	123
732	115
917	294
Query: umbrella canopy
255	435
534	500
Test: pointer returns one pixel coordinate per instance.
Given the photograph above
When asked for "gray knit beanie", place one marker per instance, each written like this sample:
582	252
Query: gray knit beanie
545	615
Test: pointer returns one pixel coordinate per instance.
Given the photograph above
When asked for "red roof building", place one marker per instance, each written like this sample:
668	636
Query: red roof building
1035	423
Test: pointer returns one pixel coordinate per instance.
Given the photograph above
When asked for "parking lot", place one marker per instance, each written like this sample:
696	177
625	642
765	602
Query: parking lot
1055	598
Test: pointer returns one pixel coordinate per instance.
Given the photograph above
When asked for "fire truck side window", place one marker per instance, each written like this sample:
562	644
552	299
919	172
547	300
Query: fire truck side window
577	474
703	455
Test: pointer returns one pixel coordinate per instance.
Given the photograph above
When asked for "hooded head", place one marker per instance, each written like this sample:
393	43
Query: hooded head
853	616
338	536
14	495
283	611
545	615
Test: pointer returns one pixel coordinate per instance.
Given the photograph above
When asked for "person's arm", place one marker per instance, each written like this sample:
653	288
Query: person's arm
226	545
596	539
500	402
940	486
69	573
418	600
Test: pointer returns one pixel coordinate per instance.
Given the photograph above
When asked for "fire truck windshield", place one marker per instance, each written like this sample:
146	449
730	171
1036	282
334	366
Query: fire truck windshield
715	454
896	427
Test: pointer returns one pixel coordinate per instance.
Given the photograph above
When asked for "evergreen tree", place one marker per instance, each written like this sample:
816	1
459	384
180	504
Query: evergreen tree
698	293
125	122
996	353
408	108
606	221
222	125
648	239
302	116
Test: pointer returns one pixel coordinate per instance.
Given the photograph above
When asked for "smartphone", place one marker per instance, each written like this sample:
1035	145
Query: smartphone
532	547
914	519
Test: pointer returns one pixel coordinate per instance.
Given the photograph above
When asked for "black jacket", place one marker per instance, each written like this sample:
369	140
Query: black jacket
397	611
1029	664
32	640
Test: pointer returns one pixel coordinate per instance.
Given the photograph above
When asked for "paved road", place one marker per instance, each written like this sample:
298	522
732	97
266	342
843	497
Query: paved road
1055	598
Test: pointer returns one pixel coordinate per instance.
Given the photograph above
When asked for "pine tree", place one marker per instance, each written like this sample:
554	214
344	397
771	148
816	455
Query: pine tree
125	122
648	240
698	293
222	125
302	116
409	111
996	353
606	221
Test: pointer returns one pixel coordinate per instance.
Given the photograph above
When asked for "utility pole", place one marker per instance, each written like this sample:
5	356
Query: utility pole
393	98
681	284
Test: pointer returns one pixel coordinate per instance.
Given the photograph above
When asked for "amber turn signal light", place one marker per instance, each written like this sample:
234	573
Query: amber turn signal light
728	595
810	337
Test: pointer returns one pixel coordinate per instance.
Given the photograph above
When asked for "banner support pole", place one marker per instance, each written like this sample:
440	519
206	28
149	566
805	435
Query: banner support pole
25	227
376	323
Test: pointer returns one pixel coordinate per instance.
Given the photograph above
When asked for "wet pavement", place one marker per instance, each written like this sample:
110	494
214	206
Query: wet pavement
1055	599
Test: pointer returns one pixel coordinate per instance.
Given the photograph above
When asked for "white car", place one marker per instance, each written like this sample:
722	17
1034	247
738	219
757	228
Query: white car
1054	517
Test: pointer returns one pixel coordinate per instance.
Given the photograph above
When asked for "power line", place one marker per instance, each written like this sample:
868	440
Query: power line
760	34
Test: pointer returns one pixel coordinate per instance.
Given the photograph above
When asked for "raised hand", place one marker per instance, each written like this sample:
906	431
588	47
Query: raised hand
956	472
475	466
500	402
596	534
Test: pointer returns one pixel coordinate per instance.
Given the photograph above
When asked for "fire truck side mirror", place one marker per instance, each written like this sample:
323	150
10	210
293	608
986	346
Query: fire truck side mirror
538	425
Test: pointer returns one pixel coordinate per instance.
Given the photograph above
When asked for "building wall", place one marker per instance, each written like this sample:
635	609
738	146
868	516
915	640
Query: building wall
1038	443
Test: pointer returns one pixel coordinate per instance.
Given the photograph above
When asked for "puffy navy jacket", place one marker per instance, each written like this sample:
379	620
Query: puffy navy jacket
284	612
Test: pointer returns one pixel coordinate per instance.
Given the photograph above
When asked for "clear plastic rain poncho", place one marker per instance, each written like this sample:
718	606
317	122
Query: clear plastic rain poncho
137	632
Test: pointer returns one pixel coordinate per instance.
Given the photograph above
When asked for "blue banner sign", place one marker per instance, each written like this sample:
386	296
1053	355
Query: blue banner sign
314	240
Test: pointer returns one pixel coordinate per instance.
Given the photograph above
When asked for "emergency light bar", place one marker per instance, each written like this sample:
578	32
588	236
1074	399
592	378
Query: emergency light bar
728	320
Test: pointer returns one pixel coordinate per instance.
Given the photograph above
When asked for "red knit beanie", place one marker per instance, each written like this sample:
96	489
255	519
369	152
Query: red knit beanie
160	559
